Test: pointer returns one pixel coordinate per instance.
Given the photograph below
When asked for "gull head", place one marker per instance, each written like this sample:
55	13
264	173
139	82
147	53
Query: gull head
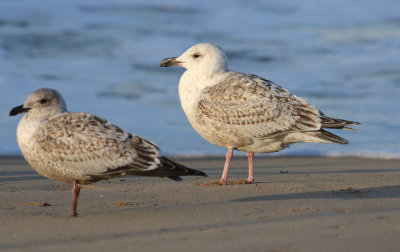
43	103
204	58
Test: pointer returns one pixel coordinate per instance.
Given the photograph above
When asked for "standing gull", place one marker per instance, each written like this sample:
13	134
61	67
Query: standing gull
244	111
81	148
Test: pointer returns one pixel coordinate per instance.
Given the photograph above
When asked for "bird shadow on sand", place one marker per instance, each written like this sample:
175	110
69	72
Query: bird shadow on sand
381	192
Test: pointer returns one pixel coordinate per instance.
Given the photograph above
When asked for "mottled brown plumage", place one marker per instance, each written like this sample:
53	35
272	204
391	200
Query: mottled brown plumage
244	111
81	148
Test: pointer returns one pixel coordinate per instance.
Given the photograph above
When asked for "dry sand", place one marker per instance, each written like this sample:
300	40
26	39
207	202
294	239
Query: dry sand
297	204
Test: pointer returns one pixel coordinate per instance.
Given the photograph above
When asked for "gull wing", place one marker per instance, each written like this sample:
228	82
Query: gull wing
259	107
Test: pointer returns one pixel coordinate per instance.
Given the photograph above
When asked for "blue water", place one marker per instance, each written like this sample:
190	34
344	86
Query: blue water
103	56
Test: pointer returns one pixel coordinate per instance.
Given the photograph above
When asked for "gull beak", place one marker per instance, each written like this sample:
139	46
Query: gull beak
18	110
168	62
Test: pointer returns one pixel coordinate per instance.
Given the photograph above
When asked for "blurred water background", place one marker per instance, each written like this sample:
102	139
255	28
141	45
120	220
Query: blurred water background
103	56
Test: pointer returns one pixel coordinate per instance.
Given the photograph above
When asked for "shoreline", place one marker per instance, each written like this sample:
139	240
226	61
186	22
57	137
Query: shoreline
242	155
296	204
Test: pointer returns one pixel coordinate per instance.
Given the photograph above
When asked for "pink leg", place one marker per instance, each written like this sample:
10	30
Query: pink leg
76	189
224	178
250	156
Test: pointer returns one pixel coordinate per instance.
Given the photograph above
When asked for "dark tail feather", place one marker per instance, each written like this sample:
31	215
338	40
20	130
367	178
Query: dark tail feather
327	136
177	170
335	123
176	178
169	169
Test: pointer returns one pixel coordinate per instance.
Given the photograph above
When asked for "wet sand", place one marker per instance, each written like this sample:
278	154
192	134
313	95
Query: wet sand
297	204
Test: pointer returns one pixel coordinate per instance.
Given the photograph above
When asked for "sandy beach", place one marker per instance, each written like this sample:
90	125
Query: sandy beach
297	204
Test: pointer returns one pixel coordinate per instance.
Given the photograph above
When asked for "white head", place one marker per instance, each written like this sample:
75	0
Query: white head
204	58
43	103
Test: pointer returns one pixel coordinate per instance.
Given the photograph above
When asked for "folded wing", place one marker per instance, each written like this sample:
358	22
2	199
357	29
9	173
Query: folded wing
263	109
97	149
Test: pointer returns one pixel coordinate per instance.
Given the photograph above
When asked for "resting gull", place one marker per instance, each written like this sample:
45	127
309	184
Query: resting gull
82	148
244	111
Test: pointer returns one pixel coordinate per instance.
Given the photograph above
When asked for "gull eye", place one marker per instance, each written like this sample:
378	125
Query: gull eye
196	55
43	101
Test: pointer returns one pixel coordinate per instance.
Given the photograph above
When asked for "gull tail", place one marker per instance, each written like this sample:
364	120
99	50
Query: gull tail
335	123
331	123
175	170
327	137
169	169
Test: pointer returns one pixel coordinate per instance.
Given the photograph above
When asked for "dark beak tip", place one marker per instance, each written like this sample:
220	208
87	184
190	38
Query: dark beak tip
18	110
164	62
167	62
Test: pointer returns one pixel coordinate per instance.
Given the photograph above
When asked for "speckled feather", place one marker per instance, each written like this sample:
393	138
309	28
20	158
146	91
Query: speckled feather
70	146
244	111
259	106
90	147
81	148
